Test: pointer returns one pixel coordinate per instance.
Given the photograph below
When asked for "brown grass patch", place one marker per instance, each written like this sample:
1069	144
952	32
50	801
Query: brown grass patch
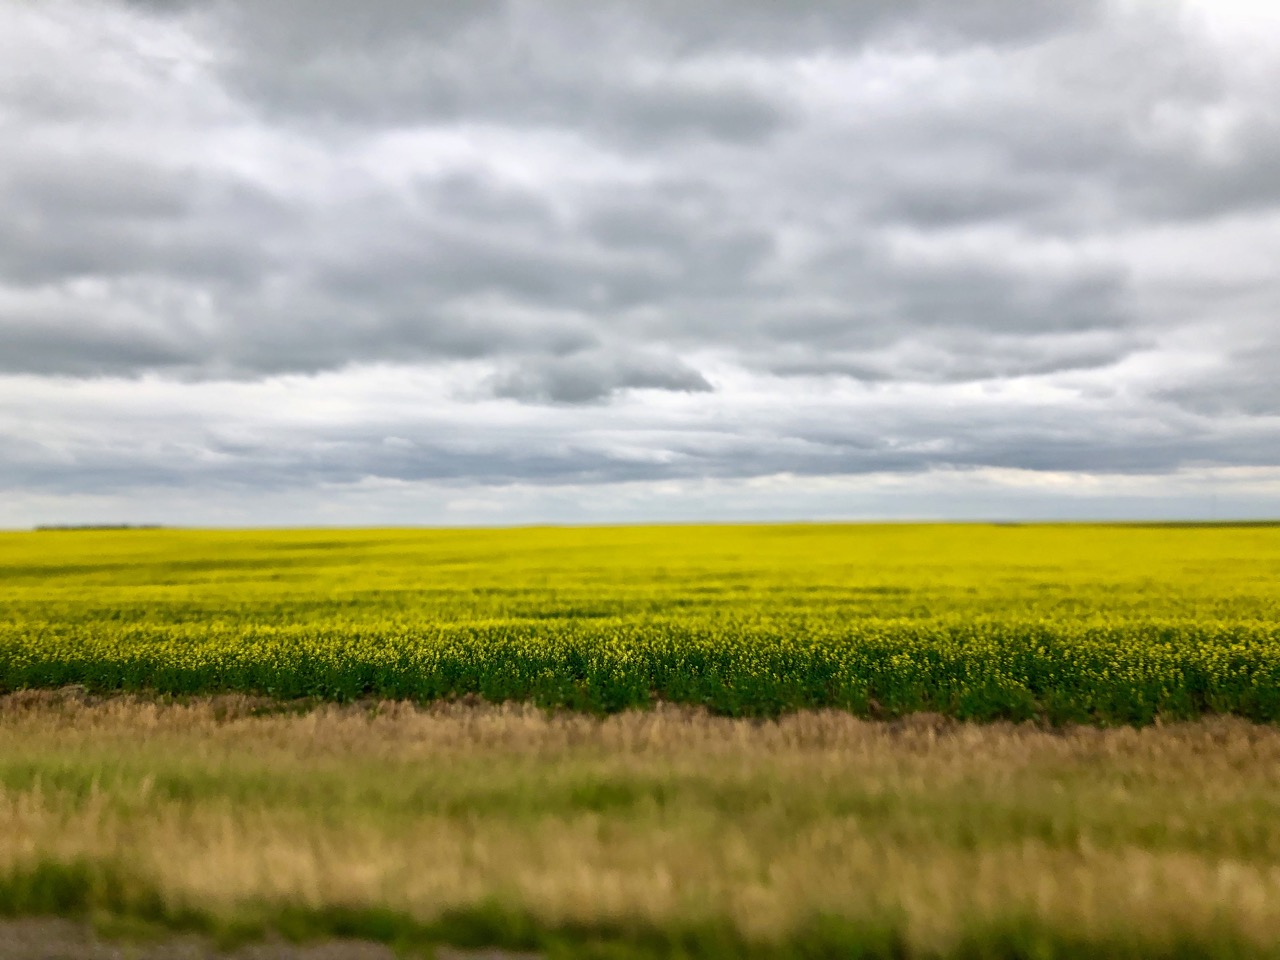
666	816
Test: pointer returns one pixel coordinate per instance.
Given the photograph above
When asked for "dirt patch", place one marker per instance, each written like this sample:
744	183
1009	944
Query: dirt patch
40	938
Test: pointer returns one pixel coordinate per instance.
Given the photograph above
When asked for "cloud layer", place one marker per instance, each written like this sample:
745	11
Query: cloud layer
307	247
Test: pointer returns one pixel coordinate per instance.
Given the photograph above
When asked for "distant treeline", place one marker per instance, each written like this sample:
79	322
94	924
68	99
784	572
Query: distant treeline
100	526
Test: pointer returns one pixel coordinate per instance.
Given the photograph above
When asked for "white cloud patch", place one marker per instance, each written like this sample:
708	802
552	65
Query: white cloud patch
535	260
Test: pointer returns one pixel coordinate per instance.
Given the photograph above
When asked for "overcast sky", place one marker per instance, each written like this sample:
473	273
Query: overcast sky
317	261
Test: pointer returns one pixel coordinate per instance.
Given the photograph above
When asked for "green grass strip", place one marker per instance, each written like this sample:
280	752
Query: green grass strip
121	904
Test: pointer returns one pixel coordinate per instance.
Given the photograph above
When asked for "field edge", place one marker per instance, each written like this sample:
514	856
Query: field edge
123	908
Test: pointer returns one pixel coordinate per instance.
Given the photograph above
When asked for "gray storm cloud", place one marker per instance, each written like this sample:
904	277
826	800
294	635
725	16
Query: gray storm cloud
633	242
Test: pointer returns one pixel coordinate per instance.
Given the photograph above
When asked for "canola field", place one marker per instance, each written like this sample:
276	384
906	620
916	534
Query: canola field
1109	624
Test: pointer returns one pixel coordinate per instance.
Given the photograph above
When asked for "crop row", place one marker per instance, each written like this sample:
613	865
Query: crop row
1126	672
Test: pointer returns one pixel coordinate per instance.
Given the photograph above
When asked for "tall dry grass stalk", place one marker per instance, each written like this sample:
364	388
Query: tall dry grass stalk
665	817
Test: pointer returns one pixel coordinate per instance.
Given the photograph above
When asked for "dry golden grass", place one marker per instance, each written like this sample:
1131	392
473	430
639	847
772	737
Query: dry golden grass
664	817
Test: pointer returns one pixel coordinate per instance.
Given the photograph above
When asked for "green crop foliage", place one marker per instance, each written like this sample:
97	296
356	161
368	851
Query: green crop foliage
1090	623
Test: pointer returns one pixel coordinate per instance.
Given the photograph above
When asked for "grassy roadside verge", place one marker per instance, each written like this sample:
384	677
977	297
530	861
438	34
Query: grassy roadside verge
660	833
123	909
